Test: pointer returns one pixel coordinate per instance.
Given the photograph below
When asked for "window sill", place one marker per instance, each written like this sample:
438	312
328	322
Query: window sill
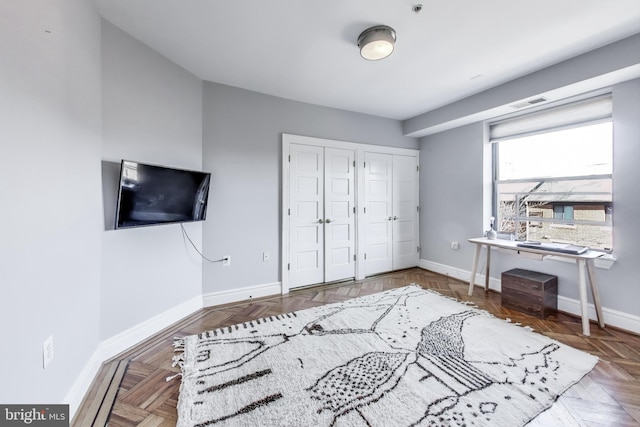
605	262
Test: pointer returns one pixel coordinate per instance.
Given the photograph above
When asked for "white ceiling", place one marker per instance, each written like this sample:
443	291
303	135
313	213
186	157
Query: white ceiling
306	50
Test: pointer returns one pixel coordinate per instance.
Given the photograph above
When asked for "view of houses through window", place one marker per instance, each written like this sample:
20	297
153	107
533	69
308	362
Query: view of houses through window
556	186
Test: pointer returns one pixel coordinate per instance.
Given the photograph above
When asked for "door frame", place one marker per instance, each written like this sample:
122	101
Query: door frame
359	149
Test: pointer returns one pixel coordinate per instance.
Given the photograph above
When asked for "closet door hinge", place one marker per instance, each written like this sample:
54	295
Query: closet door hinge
365	165
354	163
418	249
354	209
365	256
417	168
288	266
354	257
365	209
289	158
289	211
417	208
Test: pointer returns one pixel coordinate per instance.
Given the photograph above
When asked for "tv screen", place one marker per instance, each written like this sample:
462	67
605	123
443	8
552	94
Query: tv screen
153	195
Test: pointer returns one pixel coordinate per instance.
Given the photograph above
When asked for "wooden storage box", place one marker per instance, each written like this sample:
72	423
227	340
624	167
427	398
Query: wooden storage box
530	292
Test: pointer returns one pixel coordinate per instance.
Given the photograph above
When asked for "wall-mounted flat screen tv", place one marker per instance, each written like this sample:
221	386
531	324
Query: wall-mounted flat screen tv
154	195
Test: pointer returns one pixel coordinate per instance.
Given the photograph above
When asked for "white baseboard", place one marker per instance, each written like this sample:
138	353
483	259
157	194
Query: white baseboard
619	319
82	383
122	341
460	274
132	336
242	294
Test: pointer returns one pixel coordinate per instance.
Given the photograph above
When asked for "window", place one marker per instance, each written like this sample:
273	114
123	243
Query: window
553	174
563	212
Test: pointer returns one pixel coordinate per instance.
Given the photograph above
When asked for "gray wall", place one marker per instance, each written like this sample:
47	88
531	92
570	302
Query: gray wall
451	186
51	210
242	148
152	113
451	197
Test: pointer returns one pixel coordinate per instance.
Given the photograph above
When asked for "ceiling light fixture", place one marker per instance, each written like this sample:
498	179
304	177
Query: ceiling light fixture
377	42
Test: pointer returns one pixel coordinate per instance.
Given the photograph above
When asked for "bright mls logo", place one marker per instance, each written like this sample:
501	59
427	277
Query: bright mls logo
34	415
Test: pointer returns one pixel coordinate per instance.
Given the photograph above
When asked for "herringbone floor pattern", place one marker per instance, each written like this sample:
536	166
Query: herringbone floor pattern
131	389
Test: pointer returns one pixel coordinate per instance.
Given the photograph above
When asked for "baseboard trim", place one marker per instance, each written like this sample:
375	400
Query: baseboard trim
242	294
132	336
122	341
83	382
460	274
619	319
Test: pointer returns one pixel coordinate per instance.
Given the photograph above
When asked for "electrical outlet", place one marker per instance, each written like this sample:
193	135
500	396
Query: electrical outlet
455	245
265	256
226	260
47	351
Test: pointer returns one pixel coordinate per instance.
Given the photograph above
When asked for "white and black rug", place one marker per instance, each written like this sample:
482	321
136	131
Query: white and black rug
404	357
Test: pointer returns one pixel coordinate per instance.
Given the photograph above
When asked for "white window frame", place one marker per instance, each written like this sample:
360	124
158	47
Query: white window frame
584	112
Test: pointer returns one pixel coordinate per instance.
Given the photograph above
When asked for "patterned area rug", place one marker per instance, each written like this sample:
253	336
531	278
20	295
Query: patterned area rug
404	357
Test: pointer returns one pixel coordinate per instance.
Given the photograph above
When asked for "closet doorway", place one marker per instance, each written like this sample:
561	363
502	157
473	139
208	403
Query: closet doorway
349	210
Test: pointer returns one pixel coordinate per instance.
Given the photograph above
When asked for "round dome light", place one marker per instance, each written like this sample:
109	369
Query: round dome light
377	42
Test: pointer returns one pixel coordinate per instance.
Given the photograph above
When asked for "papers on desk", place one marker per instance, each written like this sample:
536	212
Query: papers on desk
555	247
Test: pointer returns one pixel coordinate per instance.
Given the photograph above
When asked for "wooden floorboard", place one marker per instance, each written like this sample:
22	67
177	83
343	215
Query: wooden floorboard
608	396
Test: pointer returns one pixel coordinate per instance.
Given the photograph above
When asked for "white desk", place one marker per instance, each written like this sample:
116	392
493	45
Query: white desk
584	261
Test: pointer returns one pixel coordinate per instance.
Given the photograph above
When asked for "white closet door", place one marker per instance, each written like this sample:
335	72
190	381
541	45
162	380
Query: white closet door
339	202
378	179
307	215
405	213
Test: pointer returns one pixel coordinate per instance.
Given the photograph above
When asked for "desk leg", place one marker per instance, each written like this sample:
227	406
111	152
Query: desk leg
594	291
474	270
582	285
487	270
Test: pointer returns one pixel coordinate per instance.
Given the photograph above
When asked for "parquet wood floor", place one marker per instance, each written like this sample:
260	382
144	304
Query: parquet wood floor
140	396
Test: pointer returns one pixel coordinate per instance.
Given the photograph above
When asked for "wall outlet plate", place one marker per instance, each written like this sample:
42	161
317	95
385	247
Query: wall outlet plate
265	256
47	351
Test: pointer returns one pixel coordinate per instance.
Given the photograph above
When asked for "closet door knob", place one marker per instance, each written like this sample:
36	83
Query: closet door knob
327	221
390	218
320	221
395	218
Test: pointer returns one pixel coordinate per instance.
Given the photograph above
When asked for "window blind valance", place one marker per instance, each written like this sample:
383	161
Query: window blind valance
555	118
